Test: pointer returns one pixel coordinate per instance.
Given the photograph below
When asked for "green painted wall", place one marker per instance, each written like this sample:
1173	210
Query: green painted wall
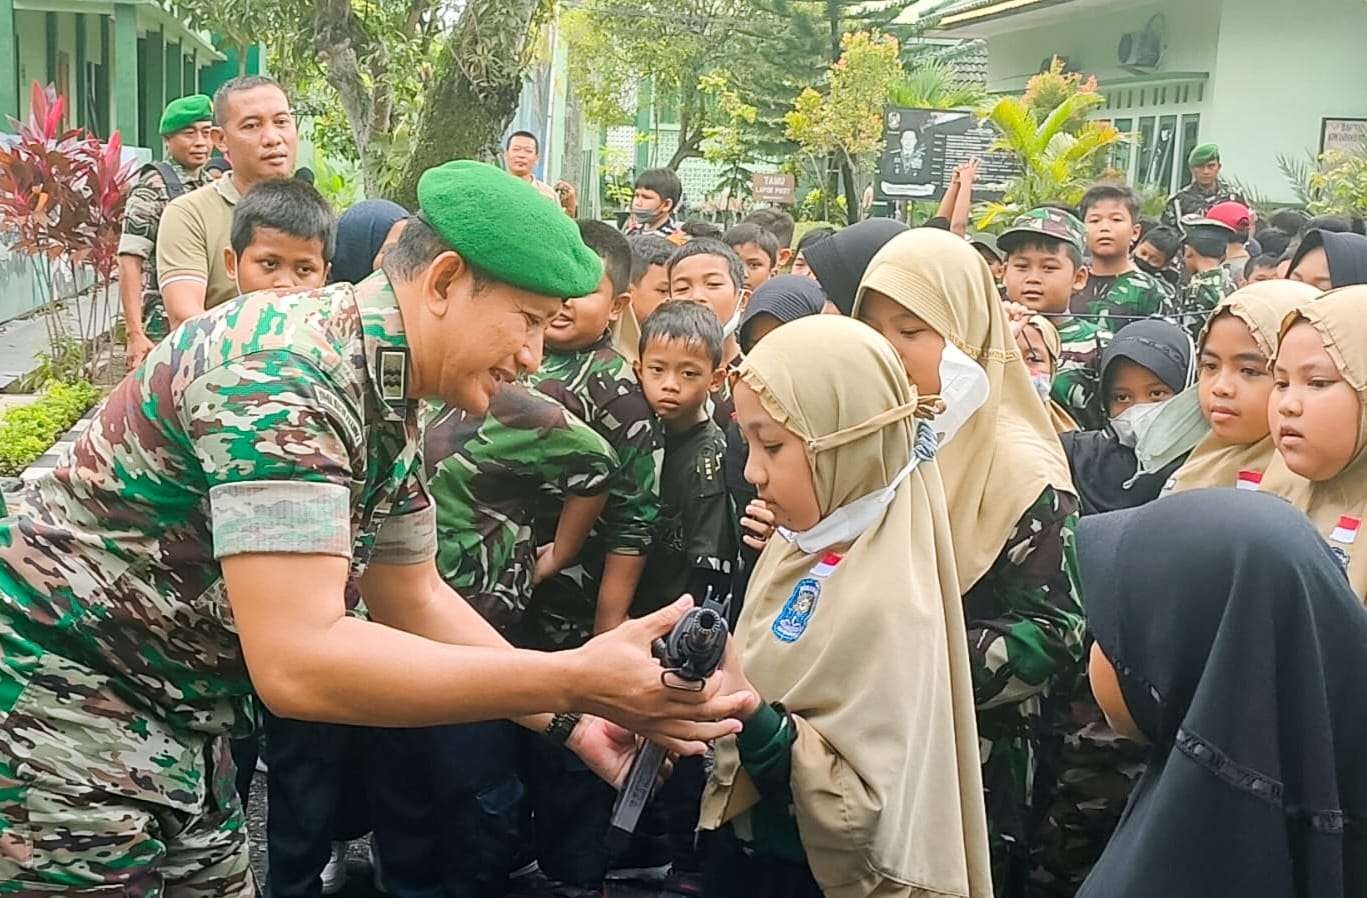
123	71
9	61
30	38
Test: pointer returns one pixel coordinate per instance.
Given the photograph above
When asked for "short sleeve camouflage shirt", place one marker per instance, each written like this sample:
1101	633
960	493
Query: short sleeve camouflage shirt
258	428
141	216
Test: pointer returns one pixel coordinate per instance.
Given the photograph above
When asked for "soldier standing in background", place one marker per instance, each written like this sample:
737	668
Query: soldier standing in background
186	127
1205	190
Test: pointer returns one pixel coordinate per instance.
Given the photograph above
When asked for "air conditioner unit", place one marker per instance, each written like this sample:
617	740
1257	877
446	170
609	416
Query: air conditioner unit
1143	49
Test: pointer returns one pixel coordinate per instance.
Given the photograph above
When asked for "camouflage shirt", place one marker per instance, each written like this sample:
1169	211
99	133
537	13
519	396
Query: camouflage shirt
1077	381
141	216
1115	300
1200	296
596	384
1191	200
257	428
491	476
1025	639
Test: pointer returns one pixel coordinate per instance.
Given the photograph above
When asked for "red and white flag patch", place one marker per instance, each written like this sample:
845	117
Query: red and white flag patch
826	565
1347	530
1248	480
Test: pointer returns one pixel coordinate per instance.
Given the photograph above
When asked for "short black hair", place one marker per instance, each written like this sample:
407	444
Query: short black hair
706	246
699	228
815	235
417	246
690	323
1147	223
1212	245
536	142
288	205
776	222
1274	241
1164	239
1289	221
1266	260
938	222
647	251
1043	243
1338	224
612	248
1105	192
744	233
1062	207
662	181
237	86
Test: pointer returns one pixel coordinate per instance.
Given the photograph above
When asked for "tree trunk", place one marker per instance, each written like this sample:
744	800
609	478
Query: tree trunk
475	90
241	60
852	197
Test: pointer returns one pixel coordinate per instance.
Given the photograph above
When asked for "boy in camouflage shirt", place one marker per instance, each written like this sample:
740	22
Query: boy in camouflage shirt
1043	269
1117	291
1208	282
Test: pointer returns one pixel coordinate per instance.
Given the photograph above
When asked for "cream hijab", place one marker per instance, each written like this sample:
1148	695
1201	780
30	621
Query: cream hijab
885	770
1262	308
1058	417
1338	316
626	335
1008	453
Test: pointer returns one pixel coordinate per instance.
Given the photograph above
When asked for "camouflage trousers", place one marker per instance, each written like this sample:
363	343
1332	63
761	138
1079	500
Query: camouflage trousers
72	839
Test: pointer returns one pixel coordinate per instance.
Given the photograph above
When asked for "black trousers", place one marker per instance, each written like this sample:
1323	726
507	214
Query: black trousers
732	871
329	782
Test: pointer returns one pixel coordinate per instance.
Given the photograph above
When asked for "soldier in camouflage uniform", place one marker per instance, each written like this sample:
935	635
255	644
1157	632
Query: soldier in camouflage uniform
185	126
1209	282
272	444
1205	190
491	475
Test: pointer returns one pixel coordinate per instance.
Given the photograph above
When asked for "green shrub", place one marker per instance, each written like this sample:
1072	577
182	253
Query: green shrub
27	431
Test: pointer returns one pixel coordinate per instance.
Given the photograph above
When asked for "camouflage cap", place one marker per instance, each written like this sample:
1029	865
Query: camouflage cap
504	226
1045	221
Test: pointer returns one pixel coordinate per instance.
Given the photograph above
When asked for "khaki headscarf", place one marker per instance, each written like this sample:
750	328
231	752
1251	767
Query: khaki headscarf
885	769
1058	417
1338	316
1261	307
997	466
626	335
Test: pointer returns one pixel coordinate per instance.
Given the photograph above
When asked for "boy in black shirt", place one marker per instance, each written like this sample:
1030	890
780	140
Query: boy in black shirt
695	540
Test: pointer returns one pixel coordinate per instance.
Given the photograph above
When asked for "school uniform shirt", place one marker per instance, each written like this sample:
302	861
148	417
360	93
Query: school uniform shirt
490	476
1117	299
1077	380
695	540
596	384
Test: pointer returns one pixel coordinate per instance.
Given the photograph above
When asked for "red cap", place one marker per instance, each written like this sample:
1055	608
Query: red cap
1235	215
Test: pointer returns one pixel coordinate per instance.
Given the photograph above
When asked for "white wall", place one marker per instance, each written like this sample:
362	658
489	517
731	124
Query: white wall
1282	68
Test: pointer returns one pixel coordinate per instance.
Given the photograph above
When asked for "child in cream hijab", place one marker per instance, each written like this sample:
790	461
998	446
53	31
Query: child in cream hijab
857	772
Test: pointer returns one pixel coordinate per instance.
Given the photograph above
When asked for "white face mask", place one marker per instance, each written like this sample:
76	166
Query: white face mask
1131	424
1043	384
964	389
733	325
1173	431
848	522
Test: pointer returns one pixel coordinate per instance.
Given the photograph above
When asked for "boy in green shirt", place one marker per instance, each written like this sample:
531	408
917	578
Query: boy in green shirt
1117	291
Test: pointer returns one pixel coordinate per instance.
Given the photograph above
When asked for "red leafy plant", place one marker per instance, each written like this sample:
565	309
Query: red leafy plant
62	195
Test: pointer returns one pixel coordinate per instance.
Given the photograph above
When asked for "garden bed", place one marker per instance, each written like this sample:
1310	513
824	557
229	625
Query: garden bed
28	431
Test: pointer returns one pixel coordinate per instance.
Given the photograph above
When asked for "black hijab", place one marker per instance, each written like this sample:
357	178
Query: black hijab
360	233
1346	254
1230	614
786	298
1101	464
839	261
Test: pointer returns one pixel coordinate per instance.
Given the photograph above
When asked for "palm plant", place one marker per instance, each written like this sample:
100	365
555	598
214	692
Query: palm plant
1059	155
934	84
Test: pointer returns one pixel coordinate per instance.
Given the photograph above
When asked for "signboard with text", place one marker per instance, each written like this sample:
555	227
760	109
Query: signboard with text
775	188
1347	135
922	147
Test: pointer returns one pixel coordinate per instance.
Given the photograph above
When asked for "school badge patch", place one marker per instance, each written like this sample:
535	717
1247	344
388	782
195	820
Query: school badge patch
797	612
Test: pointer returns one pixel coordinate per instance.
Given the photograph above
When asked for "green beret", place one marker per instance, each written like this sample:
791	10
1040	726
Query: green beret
185	112
505	226
1204	154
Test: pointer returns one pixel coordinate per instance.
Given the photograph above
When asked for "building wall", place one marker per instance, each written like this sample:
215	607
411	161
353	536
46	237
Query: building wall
1090	39
1280	75
30	40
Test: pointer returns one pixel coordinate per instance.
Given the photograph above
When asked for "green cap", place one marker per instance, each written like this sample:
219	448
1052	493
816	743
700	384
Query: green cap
1202	155
503	225
1045	221
185	112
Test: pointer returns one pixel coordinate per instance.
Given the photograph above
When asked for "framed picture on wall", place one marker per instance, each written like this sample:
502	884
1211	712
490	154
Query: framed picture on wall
1346	135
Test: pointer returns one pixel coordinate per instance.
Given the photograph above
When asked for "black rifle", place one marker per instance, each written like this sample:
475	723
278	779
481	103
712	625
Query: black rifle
690	654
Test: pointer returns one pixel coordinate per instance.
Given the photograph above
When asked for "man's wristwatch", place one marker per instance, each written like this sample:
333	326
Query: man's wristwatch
560	727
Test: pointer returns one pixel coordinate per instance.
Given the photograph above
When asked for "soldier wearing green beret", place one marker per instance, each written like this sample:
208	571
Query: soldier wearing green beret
186	141
195	546
1205	190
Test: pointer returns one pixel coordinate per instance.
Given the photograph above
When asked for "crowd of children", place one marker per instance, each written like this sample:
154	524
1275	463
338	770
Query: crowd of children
889	460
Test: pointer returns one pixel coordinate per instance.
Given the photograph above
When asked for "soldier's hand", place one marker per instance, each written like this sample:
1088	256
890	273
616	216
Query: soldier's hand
619	679
139	344
758	522
545	564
